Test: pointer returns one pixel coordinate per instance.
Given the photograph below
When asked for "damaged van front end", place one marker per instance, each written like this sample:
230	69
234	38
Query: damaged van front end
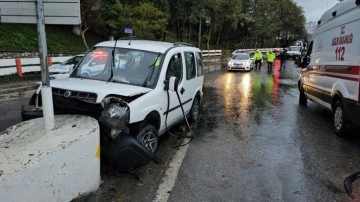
113	114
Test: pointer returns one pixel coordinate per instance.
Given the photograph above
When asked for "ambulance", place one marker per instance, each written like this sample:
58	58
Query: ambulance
330	74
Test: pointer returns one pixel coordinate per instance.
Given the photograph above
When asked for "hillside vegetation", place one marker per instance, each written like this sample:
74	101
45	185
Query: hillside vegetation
60	39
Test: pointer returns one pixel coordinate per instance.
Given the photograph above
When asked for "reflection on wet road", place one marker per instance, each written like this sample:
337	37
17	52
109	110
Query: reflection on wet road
255	143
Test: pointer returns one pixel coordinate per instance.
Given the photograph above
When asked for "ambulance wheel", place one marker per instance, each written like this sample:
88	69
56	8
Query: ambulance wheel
339	119
194	111
148	136
302	97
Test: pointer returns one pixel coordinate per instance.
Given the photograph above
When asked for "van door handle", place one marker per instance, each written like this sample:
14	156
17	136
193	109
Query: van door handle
182	90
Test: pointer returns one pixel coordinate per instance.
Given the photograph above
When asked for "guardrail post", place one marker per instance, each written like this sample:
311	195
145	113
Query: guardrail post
49	61
18	67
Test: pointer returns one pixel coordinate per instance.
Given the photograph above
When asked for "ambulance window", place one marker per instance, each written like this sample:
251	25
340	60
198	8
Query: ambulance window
307	58
309	49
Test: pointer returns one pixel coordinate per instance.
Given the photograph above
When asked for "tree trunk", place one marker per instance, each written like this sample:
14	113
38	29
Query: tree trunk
83	37
183	27
189	31
220	32
199	34
178	30
208	39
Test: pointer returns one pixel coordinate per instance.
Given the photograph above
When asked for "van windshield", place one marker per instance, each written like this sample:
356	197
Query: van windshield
132	67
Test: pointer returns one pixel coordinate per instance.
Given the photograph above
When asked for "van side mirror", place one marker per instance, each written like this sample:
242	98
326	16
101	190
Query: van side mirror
305	61
302	62
171	84
298	62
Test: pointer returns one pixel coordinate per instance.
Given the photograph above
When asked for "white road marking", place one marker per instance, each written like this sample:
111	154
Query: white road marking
164	189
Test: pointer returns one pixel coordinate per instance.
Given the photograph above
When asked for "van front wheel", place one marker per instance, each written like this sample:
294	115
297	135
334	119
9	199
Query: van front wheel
148	137
339	119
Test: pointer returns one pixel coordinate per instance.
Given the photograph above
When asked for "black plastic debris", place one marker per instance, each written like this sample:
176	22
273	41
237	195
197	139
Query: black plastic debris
126	154
348	181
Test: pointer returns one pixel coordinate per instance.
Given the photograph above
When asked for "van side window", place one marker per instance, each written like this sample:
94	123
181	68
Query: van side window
190	65
199	64
175	67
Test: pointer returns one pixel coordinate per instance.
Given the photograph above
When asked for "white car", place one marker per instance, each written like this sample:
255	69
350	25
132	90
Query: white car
294	52
147	87
64	69
240	61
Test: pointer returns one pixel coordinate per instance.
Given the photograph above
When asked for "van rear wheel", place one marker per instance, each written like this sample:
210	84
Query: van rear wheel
339	119
194	111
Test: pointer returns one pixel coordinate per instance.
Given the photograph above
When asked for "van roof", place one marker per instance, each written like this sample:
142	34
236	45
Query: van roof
148	45
337	10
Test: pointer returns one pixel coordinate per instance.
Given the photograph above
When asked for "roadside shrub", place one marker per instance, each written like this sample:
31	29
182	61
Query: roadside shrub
225	55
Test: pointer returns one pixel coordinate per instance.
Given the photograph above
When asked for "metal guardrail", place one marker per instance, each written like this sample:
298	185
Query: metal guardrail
250	50
22	65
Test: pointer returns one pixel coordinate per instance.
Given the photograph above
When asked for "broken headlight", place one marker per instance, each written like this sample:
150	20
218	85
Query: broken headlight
115	116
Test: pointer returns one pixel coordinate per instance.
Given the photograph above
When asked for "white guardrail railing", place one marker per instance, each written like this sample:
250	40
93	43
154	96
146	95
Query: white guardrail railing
23	65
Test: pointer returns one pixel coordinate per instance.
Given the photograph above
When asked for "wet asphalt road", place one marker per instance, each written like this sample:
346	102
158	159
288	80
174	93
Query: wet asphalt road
10	108
253	142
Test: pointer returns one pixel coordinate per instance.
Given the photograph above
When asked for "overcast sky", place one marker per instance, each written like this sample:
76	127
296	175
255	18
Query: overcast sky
315	8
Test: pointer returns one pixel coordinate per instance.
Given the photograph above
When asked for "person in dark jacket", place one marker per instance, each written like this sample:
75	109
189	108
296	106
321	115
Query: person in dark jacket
283	58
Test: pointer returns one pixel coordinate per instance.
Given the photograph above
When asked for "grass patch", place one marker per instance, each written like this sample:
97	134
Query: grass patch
59	39
12	78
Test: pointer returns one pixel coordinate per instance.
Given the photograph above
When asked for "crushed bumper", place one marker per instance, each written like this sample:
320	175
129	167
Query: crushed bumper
30	114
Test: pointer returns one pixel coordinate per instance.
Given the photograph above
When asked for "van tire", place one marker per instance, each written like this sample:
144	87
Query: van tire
302	97
147	135
340	121
194	111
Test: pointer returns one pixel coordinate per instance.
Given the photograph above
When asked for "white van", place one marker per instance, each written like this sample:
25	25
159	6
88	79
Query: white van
331	73
139	87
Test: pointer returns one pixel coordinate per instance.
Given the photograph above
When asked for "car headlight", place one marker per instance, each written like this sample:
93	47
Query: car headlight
230	63
115	116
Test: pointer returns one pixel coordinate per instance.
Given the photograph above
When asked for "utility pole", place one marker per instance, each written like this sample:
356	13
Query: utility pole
46	92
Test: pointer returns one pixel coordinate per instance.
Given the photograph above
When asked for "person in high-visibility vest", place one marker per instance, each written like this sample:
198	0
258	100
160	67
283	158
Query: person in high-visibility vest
258	58
270	59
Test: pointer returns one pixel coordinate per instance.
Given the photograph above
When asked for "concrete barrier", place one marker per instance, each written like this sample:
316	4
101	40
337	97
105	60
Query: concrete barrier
56	166
212	68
